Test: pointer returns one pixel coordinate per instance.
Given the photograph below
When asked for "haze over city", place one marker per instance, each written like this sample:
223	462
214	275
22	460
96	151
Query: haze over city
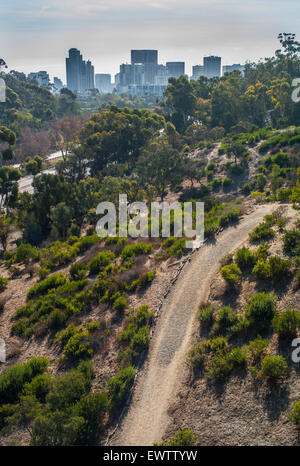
37	34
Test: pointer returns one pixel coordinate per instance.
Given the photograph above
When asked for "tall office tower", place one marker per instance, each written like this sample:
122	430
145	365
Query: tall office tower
175	68
212	67
231	68
103	83
80	74
58	85
161	78
73	67
149	59
42	78
198	70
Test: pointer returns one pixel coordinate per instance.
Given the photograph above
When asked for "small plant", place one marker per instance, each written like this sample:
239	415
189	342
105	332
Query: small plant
294	414
43	287
257	348
3	283
132	250
262	270
260	310
196	355
184	438
226	318
119	387
287	323
262	232
291	242
99	262
78	270
231	274
245	258
279	268
120	304
274	367
205	314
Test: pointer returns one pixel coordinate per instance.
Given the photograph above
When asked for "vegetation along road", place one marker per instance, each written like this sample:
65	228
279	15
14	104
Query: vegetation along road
159	380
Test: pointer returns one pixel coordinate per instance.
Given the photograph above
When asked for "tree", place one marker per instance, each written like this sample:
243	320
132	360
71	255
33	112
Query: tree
61	217
160	166
4	230
34	166
181	101
7	141
8	186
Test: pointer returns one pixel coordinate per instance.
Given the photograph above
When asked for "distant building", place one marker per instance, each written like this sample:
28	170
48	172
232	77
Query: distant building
175	68
148	58
231	68
80	74
57	85
103	83
198	70
42	78
212	67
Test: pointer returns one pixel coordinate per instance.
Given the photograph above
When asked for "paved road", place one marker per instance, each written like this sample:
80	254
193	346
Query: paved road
25	183
157	384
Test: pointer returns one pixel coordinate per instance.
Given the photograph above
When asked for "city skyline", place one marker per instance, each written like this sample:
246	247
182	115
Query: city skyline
36	33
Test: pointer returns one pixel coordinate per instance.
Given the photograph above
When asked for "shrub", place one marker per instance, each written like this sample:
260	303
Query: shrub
231	274
246	189
294	414
219	367
185	437
257	347
230	217
92	409
279	268
119	387
120	304
66	389
274	367
291	242
43	287
196	355
262	270
260	310
3	283
287	323
262	232
78	270
245	258
226	182
205	314
13	380
99	262
132	250
226	318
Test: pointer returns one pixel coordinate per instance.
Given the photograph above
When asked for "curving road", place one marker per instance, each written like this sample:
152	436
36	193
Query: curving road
158	382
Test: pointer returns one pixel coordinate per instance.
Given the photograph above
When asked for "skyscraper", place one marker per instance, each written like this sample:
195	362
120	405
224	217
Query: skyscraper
198	70
175	68
149	59
231	68
80	74
103	83
58	85
212	67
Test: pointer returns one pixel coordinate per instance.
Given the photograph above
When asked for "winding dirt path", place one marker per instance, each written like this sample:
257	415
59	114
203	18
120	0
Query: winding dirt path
159	380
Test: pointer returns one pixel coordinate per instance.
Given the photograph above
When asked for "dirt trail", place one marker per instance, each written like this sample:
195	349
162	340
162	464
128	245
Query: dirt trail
158	382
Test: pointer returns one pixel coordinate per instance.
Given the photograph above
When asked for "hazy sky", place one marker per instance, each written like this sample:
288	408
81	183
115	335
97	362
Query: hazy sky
36	34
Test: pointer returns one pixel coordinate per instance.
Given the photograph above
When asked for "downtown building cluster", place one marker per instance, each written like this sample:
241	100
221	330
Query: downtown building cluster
144	75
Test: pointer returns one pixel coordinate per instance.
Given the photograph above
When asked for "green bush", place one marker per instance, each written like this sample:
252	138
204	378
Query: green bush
78	270
257	347
287	323
43	287
230	217
120	304
3	283
274	367
205	314
260	310
226	182
132	250
262	270
294	414
184	438
196	355
231	274
245	258
291	242
279	268
226	318
13	380
119	387
100	261
92	409
262	232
